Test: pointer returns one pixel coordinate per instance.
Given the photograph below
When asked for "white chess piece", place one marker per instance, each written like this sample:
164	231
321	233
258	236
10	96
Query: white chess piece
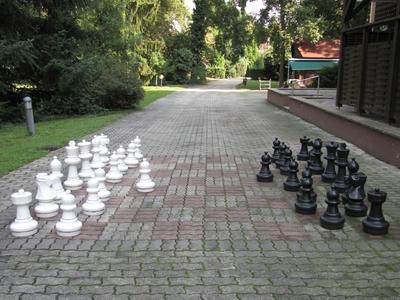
104	152
138	153
114	175
123	168
104	193
93	205
69	225
145	184
73	181
23	225
55	168
131	161
46	207
85	156
96	160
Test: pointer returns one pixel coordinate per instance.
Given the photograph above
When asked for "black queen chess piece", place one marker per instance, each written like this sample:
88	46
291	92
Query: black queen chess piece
375	222
342	155
280	160
265	174
275	154
329	174
355	196
287	157
304	155
306	201
332	219
315	163
292	183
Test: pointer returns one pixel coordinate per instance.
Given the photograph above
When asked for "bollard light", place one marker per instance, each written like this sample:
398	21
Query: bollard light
30	122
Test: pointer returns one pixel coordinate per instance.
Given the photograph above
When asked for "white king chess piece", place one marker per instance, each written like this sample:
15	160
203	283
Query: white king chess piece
23	225
138	153
73	181
85	156
131	161
55	168
93	205
122	167
145	184
114	175
69	225
104	193
46	207
96	160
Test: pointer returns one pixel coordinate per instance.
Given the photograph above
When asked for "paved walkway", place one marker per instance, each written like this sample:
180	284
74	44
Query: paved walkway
210	230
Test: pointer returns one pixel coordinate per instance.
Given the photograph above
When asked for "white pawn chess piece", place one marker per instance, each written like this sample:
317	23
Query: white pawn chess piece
104	152
69	225
145	184
114	175
46	207
93	205
23	225
96	160
104	193
131	161
73	181
85	156
123	168
55	168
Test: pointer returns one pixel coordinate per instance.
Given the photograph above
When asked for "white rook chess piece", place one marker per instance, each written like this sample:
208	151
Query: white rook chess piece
85	156
69	225
122	167
93	205
131	161
46	207
138	153
104	193
73	181
114	175
55	168
23	225
96	160
145	184
104	152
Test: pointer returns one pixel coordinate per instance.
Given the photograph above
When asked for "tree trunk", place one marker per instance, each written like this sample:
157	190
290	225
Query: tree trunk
282	69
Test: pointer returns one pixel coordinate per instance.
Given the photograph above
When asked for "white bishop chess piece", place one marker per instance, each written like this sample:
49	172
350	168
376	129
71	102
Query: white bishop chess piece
73	181
85	156
96	160
122	167
104	152
114	175
23	225
69	225
93	205
138	153
145	184
46	207
104	193
131	161
55	168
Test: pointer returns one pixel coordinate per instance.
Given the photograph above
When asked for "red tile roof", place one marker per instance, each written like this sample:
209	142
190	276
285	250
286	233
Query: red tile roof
323	49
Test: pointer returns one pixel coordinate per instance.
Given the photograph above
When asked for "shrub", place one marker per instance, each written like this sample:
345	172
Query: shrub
329	76
216	72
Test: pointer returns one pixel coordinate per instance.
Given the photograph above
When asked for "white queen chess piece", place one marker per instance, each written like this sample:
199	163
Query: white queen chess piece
114	175
138	153
122	167
55	168
73	181
131	161
145	184
46	207
23	225
85	156
104	193
69	225
93	205
96	160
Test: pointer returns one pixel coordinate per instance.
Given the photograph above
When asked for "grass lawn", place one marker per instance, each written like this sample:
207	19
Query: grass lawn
253	85
18	149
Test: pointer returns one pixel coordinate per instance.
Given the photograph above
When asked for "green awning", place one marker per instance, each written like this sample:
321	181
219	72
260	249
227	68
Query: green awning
309	65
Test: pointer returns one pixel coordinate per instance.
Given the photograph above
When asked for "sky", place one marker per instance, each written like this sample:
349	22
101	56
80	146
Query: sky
251	8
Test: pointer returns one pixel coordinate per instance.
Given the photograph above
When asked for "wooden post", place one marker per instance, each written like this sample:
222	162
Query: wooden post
339	89
360	104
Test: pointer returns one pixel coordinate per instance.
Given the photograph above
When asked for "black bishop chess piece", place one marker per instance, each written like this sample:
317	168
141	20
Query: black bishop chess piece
306	203
353	168
342	155
265	174
280	160
315	163
329	174
375	223
287	157
292	183
332	219
275	154
304	155
355	196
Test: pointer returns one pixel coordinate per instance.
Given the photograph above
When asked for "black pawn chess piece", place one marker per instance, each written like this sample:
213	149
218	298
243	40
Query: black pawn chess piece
284	169
340	181
281	159
265	174
306	203
332	219
375	223
355	196
329	174
275	155
307	174
304	155
292	183
353	168
315	163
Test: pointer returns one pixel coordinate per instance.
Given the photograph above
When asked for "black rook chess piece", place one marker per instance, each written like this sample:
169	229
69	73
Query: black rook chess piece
355	196
265	174
329	174
375	222
292	183
315	163
284	169
280	160
275	155
303	154
332	219
306	203
342	154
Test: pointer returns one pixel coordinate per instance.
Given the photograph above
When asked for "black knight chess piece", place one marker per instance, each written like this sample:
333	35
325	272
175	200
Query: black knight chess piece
375	223
275	155
304	155
329	174
280	160
292	183
342	154
332	219
315	163
355	196
265	174
284	169
353	168
306	203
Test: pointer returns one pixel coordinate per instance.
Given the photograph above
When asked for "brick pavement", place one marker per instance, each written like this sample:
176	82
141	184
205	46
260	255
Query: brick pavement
209	230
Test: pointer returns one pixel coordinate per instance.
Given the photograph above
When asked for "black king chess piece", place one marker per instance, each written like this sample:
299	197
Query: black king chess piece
275	155
292	183
315	163
342	154
280	160
306	203
329	174
287	157
375	223
265	174
304	155
353	168
332	219
355	196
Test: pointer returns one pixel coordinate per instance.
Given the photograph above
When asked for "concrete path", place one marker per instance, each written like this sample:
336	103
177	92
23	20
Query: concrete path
210	230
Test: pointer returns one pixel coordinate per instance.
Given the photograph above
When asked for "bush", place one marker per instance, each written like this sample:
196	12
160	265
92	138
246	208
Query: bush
199	74
329	76
256	74
216	72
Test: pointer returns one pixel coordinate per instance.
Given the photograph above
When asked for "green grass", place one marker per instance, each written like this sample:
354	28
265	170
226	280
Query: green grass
155	92
253	85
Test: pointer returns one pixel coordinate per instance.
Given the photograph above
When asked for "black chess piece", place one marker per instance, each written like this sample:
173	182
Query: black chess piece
307	174
342	154
329	174
355	196
281	159
353	168
304	155
284	169
332	219
265	174
306	203
292	183
275	155
375	223
315	163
